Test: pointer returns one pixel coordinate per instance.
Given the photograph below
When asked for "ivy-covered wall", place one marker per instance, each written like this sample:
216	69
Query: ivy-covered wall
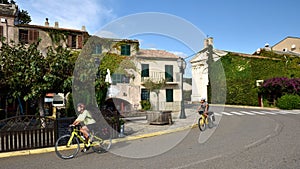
242	71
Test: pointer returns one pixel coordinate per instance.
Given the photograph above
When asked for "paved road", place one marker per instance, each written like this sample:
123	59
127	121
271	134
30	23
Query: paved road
238	141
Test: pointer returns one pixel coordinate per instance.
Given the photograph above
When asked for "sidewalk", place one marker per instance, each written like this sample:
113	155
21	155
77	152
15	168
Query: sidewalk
138	127
135	128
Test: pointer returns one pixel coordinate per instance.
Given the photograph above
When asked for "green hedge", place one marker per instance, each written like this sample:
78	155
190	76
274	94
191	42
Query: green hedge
289	101
242	71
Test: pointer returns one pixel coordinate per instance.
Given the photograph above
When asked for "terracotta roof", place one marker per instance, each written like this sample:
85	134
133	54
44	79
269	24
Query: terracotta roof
156	54
49	27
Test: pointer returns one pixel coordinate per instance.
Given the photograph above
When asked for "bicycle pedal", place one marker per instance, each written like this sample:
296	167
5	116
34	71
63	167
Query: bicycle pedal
85	149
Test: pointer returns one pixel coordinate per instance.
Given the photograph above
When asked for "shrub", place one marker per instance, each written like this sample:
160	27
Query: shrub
146	105
70	111
289	101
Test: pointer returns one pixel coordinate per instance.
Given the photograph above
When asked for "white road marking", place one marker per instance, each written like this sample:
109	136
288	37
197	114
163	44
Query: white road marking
247	113
240	114
228	114
256	112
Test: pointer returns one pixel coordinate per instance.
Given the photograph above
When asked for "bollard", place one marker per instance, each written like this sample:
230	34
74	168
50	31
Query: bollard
122	131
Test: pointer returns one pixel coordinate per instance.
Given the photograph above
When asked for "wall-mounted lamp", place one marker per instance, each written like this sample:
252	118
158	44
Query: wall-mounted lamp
3	20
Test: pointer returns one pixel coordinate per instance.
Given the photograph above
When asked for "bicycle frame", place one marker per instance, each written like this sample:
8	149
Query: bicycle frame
75	132
204	121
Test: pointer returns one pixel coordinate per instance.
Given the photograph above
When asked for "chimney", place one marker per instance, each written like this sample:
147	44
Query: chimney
56	24
208	41
83	28
46	23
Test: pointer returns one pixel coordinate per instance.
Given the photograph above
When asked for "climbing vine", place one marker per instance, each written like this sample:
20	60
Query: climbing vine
242	72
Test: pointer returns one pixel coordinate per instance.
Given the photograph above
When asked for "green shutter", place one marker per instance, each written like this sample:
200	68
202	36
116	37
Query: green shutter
145	70
125	50
169	73
169	95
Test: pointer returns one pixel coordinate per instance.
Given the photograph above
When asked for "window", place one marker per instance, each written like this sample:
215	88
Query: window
97	49
125	50
79	42
169	95
145	94
28	36
1	33
119	78
72	41
145	70
169	73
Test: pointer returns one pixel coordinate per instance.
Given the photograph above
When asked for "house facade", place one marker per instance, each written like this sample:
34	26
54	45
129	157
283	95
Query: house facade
47	35
126	92
199	65
288	44
156	66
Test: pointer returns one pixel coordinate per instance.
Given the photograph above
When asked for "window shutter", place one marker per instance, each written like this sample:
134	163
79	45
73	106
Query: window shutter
30	36
145	70
33	36
36	35
79	42
1	32
169	95
169	73
69	42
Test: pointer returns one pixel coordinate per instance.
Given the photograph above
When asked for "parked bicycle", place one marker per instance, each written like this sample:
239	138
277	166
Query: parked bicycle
67	146
204	122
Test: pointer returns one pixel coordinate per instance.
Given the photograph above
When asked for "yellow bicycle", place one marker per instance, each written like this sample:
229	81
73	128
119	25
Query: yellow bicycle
67	146
206	121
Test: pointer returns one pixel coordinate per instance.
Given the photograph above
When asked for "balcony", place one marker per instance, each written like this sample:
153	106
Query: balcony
159	76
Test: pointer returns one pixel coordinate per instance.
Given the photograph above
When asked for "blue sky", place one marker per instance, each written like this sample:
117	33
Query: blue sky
236	25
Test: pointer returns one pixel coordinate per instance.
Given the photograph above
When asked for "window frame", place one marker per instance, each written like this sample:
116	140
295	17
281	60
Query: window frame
126	50
28	36
169	71
169	95
97	49
145	94
1	32
119	78
145	70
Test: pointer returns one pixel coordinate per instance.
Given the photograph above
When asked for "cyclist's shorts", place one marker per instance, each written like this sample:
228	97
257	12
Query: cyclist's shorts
92	127
201	112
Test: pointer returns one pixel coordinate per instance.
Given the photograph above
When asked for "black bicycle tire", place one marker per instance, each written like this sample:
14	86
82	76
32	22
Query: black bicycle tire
210	122
58	152
200	127
101	148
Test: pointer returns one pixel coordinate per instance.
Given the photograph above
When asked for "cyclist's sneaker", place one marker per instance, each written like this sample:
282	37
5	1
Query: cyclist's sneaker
85	149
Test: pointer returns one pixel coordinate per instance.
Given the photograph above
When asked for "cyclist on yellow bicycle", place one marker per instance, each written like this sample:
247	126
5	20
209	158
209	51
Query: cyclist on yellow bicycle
88	121
203	108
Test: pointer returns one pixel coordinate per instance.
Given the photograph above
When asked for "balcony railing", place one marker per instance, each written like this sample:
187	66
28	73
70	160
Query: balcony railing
159	76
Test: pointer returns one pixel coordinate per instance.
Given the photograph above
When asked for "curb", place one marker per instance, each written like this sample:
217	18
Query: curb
118	140
250	107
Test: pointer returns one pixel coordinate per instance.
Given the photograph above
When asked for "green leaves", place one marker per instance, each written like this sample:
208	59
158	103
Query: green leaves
29	74
242	73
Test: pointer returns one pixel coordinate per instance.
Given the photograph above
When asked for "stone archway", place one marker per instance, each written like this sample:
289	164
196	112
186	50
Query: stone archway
120	105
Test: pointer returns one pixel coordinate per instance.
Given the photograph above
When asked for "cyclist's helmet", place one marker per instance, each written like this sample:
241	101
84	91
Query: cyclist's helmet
203	98
81	105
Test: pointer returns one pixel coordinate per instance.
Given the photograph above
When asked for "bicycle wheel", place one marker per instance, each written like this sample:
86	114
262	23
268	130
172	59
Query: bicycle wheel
210	122
201	124
66	152
101	144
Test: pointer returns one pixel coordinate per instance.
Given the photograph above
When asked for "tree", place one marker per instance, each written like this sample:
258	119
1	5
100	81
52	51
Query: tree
23	17
155	86
28	74
272	89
